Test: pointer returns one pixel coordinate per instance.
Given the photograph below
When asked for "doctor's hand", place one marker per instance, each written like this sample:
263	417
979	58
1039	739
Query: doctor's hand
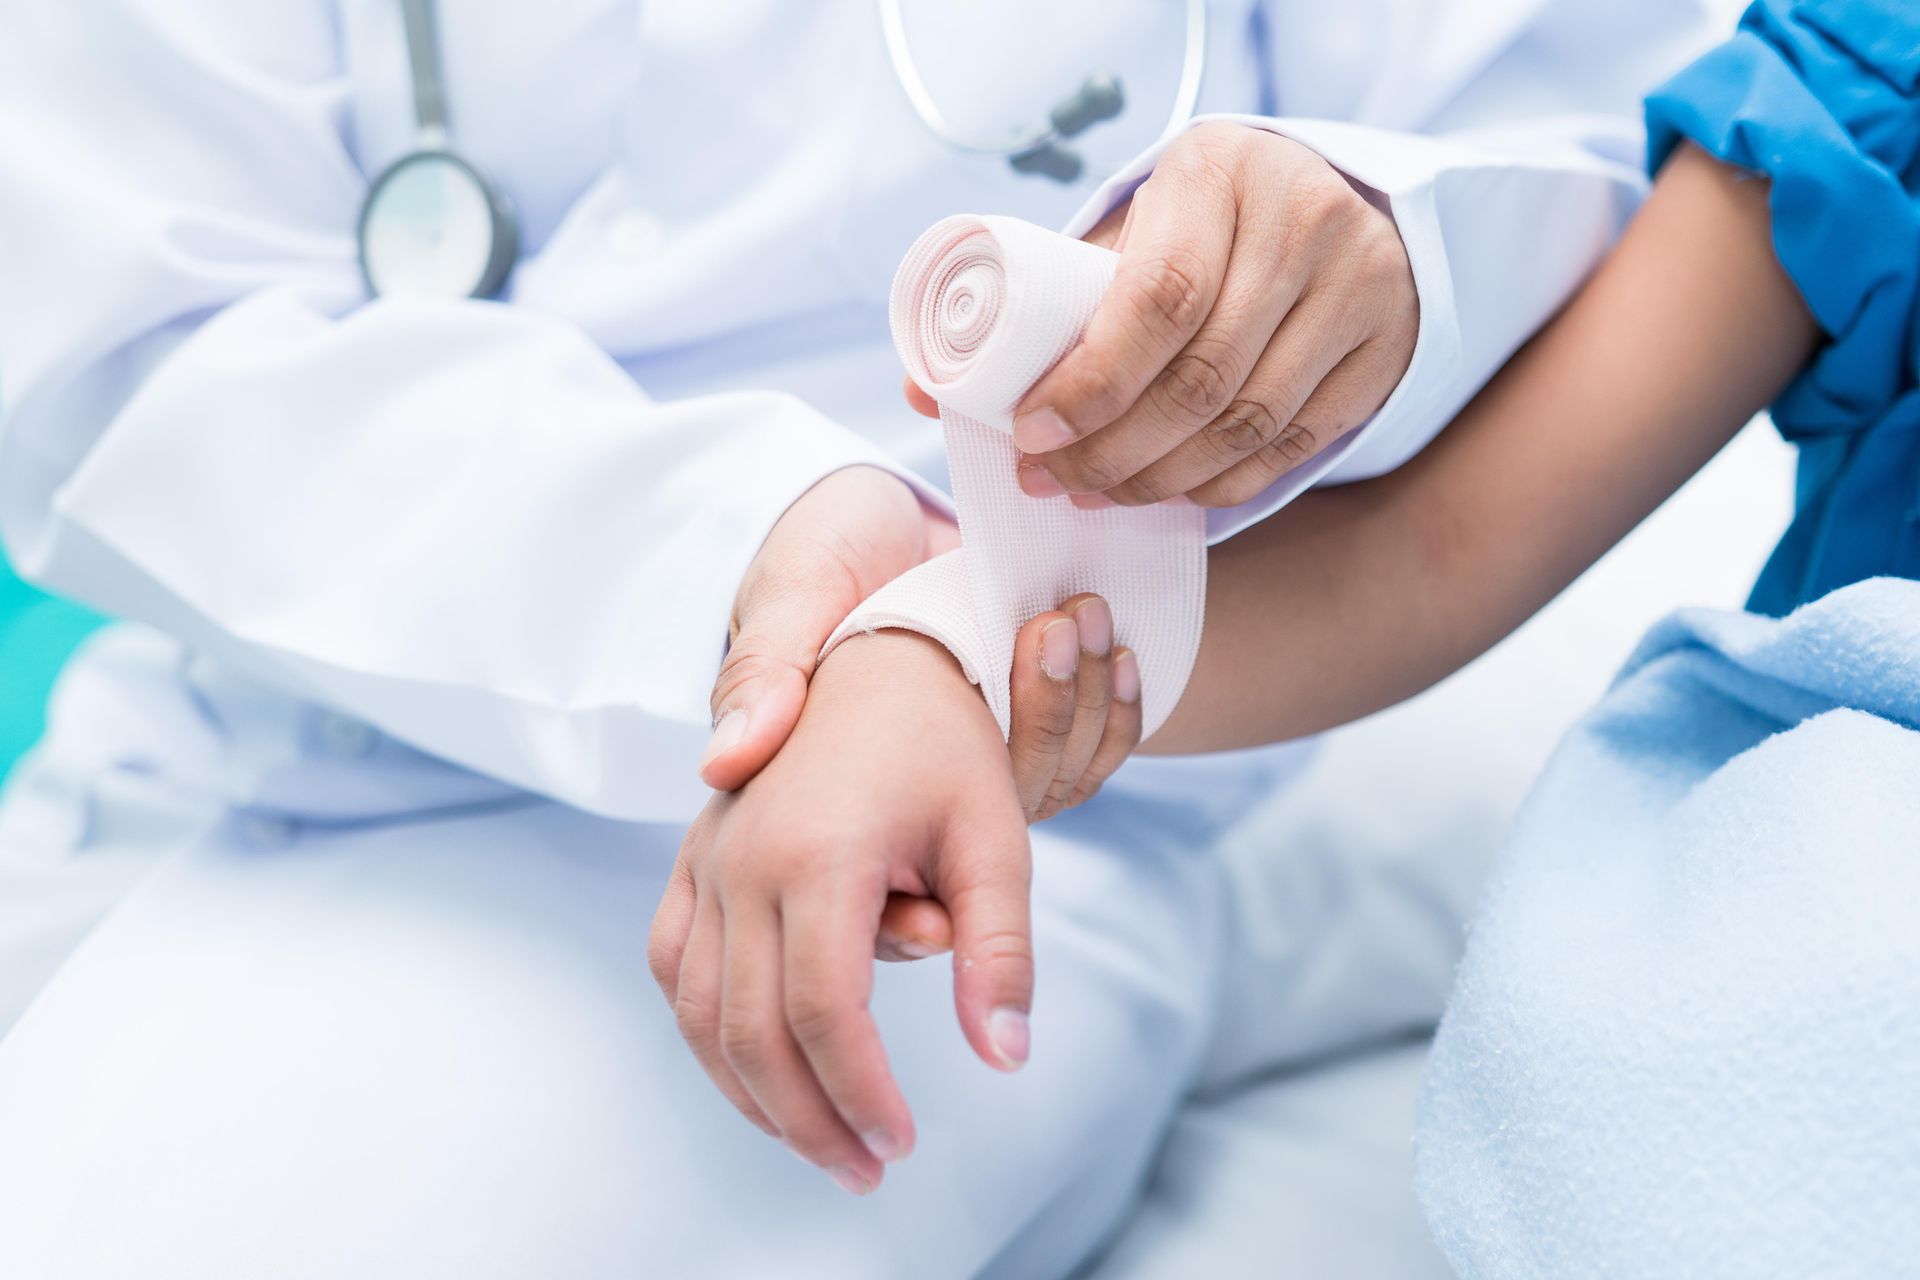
1262	308
852	533
895	780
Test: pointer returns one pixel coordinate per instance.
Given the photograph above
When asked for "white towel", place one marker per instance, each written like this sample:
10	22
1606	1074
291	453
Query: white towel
982	307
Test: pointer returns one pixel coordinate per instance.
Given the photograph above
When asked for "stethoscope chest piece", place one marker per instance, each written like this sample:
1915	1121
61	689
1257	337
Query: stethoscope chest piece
432	227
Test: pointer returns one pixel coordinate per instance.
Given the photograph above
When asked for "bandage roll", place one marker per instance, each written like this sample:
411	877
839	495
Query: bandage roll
981	309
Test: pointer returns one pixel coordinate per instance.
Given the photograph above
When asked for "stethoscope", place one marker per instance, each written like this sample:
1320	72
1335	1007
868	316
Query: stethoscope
1042	148
432	226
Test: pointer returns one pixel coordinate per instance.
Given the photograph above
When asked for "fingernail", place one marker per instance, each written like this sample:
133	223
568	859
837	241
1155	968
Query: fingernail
914	949
1126	677
1060	649
1038	482
1041	431
1092	501
885	1147
1178	500
726	735
1096	626
1007	1029
850	1180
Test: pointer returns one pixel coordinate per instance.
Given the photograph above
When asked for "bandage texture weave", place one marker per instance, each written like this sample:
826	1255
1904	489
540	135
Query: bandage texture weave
981	308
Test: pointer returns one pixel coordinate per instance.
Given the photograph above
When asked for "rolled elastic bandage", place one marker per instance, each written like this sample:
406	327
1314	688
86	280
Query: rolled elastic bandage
981	309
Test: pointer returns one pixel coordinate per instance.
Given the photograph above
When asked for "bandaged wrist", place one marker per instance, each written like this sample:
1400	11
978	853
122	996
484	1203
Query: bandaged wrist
981	308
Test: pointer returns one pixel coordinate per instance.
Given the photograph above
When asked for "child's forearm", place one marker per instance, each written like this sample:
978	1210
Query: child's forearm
1356	597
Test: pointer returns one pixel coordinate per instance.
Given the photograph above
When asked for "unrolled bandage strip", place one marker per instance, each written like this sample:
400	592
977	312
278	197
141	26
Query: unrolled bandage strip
981	309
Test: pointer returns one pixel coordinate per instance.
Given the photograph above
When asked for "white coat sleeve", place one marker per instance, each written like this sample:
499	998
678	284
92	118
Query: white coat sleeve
1503	136
461	522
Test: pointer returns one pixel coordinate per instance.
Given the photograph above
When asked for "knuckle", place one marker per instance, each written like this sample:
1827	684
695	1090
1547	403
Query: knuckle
1295	443
1090	392
745	1045
750	655
1246	427
1172	288
815	1018
1141	490
1213	151
1058	797
1092	701
1197	383
1047	734
1292	445
1003	948
696	1019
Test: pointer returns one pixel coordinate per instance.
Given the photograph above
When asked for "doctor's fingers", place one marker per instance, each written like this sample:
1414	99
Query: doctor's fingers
829	986
1263	418
697	1010
1344	399
1179	247
758	1044
985	877
854	531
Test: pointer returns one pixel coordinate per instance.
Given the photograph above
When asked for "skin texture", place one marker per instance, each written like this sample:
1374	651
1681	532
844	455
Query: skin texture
1263	307
764	941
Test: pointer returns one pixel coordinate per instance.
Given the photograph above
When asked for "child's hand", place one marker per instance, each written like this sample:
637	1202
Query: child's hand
895	779
1076	718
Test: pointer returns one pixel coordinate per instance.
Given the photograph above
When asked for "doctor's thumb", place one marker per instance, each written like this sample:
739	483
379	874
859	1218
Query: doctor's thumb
758	698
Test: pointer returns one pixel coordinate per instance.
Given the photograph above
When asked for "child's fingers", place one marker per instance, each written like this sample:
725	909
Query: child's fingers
1121	733
696	1008
829	981
1093	690
1046	655
912	928
985	886
758	1046
672	923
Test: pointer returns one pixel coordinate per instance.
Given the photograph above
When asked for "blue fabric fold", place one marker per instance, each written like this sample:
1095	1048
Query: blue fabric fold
1823	97
1685	1037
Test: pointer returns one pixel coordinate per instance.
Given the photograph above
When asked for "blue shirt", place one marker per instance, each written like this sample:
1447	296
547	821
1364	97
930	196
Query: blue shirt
1823	97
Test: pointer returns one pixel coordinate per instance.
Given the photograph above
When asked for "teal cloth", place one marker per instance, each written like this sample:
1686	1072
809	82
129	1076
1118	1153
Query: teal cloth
37	633
1823	97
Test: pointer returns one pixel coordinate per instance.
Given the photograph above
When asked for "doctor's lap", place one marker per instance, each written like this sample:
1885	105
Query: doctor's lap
324	929
429	1046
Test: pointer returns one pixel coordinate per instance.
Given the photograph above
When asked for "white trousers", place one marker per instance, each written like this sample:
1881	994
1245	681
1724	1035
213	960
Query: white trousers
430	1048
410	1031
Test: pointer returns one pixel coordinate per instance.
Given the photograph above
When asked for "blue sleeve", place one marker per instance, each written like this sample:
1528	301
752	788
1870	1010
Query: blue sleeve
1823	96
